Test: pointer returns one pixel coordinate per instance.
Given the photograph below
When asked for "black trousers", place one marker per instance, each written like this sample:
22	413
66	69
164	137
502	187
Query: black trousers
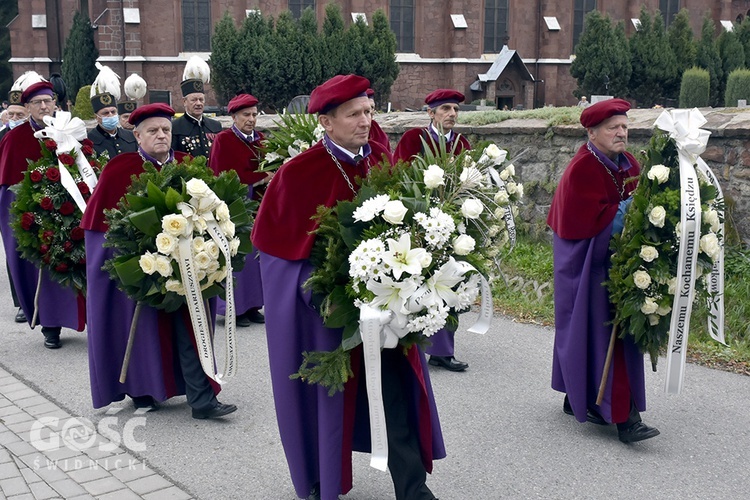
200	394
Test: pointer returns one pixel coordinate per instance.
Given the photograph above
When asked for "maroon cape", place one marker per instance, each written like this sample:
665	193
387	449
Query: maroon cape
229	152
378	135
16	148
411	143
283	226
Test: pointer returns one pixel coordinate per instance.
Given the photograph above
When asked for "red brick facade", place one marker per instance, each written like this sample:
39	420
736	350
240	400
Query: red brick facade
444	56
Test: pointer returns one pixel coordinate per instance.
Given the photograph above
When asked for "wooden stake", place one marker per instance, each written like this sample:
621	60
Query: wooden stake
607	364
131	340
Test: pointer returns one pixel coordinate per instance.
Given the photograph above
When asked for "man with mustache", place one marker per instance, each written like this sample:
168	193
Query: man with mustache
442	108
587	209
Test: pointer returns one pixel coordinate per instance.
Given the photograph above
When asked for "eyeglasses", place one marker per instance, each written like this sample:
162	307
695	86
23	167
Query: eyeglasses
39	102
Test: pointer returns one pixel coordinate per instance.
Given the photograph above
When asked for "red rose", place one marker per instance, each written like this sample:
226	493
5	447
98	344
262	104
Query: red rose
68	246
82	261
44	249
67	208
87	142
46	203
35	176
46	258
27	220
93	164
62	267
66	159
87	150
50	144
77	234
47	236
53	174
83	188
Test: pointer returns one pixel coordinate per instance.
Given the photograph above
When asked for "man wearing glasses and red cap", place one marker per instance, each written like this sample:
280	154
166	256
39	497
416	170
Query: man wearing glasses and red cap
165	361
238	149
58	306
587	209
319	431
442	107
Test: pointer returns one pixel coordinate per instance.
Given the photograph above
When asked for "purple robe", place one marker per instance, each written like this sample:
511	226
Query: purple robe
314	427
58	305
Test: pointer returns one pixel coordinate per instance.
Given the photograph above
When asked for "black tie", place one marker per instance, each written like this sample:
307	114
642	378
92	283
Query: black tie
357	158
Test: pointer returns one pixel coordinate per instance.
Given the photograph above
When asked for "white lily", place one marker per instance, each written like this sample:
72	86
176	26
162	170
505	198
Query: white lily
445	278
392	295
402	258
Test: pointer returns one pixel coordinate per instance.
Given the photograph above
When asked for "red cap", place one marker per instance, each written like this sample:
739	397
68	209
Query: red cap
370	92
38	88
241	101
149	111
337	91
597	113
442	96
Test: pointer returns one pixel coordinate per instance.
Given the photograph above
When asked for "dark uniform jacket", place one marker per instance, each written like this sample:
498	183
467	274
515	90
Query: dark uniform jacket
192	137
122	142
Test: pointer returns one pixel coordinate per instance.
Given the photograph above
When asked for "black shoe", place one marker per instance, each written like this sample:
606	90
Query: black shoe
591	415
144	403
255	316
217	411
449	363
20	316
637	432
51	337
243	321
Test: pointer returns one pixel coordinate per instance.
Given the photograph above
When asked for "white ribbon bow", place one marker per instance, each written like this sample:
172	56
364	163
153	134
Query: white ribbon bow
684	126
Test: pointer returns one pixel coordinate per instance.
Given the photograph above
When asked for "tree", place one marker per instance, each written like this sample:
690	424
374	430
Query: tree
707	57
80	55
732	57
743	35
652	60
380	65
602	63
333	45
680	37
225	70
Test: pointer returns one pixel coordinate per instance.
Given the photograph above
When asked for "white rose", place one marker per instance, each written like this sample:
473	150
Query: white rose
197	188
511	169
463	244
493	231
434	177
222	211
641	279
672	283
175	286
664	310
649	306
147	263
653	319
710	245
227	227
470	177
660	173
202	260
166	243
212	249
199	225
220	275
495	153
197	244
164	266
511	187
711	216
500	213
471	208
394	212
175	224
519	190
657	216
648	253
504	174
234	246
501	197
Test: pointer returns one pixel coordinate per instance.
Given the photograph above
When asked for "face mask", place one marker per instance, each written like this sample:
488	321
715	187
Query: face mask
14	123
110	122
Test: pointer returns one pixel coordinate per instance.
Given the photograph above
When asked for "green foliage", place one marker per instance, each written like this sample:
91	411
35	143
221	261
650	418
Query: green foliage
79	56
732	57
743	35
680	37
568	115
225	70
695	90
654	64
380	66
333	45
738	87
707	57
83	108
602	51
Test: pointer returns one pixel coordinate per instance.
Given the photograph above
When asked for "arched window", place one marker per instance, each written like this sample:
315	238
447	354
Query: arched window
495	25
582	7
196	25
297	6
402	24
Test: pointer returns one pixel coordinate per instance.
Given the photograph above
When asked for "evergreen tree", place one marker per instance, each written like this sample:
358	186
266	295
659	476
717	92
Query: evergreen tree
743	35
80	55
333	44
380	64
602	63
653	61
8	10
707	57
254	57
680	37
226	72
732	56
309	44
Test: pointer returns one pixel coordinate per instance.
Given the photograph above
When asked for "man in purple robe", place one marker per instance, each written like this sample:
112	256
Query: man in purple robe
58	306
164	361
442	107
587	209
238	149
318	431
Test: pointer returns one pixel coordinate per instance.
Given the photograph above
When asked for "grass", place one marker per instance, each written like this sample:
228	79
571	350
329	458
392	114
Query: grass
526	293
553	116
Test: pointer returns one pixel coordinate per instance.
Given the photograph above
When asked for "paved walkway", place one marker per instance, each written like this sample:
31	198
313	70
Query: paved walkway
47	453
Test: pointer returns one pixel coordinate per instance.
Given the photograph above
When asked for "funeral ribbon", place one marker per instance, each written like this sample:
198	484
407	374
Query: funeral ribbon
383	329
684	127
67	131
510	222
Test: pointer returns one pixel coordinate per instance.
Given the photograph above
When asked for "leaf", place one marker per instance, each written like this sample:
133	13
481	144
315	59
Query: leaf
172	198
130	271
147	221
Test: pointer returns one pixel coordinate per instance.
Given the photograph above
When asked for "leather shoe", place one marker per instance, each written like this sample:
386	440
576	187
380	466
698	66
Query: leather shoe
146	403
51	337
255	316
20	316
449	363
217	411
243	321
591	415
637	432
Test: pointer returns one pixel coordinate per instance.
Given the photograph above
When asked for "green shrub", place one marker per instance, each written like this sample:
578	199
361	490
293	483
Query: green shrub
738	87
695	89
83	108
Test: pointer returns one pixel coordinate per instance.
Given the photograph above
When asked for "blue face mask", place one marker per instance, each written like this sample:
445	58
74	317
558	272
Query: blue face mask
110	122
14	123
